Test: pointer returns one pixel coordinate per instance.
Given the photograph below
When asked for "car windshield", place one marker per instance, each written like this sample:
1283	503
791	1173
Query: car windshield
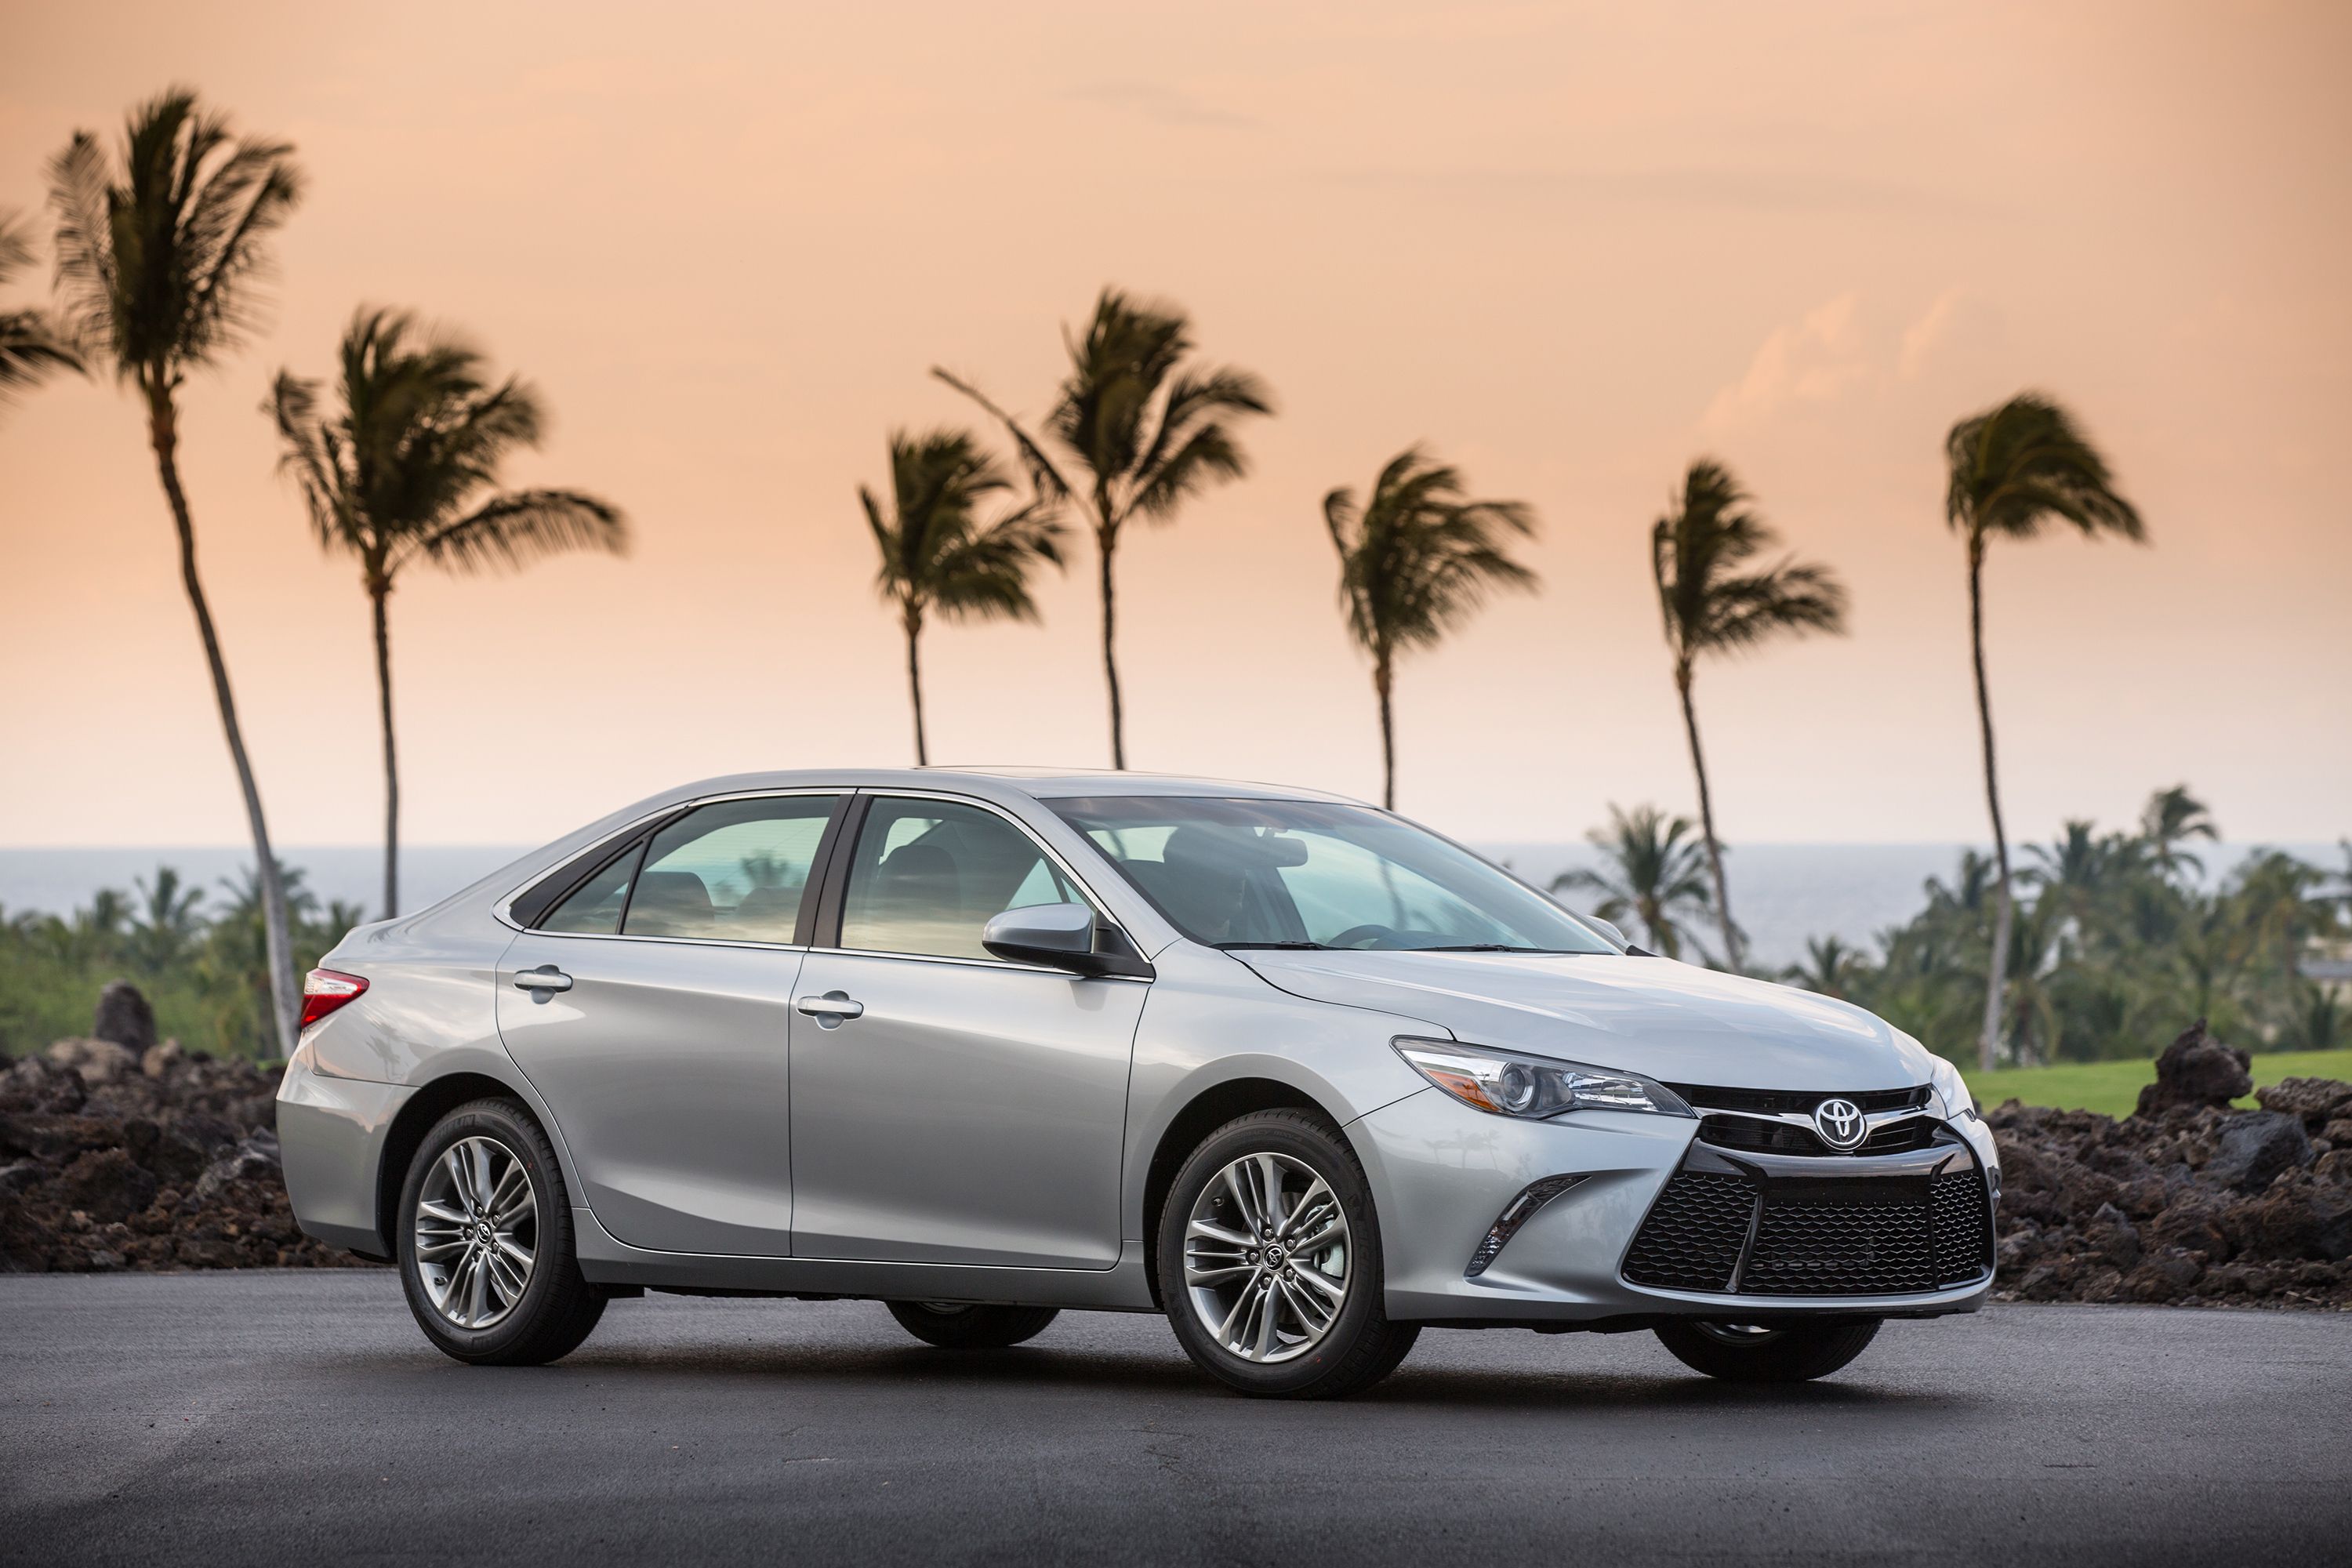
1292	873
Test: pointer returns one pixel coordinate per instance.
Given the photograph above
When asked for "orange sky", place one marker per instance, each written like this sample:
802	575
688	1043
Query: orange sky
1571	247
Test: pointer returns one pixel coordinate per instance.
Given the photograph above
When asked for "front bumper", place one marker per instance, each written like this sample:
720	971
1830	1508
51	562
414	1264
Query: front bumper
1442	1173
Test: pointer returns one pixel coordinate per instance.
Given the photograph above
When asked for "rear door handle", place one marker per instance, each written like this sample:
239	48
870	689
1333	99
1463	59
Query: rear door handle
833	1008
546	977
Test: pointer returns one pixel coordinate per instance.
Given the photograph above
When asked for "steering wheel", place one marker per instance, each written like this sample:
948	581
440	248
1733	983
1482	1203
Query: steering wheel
1355	934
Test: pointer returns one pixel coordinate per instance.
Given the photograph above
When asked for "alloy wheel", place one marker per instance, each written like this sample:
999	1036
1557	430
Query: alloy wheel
1266	1258
477	1230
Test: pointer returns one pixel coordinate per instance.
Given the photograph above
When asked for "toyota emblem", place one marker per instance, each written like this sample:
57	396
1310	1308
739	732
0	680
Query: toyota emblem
1840	1123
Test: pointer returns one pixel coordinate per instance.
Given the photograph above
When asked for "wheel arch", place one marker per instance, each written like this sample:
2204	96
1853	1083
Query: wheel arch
1206	1111
415	1119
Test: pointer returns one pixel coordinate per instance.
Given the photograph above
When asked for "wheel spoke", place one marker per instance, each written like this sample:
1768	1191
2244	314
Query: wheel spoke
1208	1230
1311	1206
1269	1177
1194	1274
1269	1309
1243	1197
1334	1290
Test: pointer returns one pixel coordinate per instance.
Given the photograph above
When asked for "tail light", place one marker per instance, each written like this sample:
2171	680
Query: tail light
324	990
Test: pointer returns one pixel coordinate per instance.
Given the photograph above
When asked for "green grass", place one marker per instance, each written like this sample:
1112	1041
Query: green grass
2112	1089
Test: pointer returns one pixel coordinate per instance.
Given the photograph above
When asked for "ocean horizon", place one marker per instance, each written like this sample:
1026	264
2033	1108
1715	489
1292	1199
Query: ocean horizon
1783	894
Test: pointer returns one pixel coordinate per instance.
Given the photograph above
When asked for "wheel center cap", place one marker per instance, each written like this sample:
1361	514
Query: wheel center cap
1274	1258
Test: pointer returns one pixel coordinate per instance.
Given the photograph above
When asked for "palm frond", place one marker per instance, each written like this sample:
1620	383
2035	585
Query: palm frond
1418	558
1709	604
515	529
2026	462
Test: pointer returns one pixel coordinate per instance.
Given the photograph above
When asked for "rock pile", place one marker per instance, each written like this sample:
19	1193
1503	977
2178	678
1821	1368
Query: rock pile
2186	1200
111	1158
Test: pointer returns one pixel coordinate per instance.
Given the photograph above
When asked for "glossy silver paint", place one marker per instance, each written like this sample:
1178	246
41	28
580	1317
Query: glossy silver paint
766	1117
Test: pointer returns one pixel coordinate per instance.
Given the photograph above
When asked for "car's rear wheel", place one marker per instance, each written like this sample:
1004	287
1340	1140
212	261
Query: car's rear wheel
970	1326
1269	1259
485	1241
1756	1353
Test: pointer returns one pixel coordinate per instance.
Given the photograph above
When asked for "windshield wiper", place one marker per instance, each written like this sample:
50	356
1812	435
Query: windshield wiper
1302	946
1484	947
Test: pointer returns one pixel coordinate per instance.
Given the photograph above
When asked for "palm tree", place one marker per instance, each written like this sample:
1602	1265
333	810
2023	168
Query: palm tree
1831	968
167	923
405	470
30	346
936	552
1144	430
1712	605
160	246
1415	562
2172	817
1651	872
2014	468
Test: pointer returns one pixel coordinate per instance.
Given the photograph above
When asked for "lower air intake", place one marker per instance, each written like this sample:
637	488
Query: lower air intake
1715	1233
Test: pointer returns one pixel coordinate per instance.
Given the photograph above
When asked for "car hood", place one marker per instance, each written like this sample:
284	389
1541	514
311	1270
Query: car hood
1670	1021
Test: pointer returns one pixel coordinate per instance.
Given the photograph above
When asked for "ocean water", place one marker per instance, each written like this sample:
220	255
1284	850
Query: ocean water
1782	893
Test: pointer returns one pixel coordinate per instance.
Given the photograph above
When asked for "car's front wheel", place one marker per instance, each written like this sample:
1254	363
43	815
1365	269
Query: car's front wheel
1756	1353
1269	1260
485	1241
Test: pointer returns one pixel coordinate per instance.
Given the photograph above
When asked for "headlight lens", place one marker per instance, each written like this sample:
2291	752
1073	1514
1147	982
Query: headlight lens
1958	1100
1505	1083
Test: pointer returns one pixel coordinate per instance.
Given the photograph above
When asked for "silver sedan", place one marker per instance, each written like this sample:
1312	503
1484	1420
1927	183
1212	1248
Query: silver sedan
1300	1074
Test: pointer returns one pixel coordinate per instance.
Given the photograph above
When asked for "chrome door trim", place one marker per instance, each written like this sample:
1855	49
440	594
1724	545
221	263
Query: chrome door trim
1102	910
621	835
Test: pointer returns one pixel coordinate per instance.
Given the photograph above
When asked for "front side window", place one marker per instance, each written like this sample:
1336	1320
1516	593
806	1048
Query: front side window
929	875
733	871
1288	873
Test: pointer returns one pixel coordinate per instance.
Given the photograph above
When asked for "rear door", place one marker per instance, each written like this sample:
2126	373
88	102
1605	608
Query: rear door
651	1008
949	1107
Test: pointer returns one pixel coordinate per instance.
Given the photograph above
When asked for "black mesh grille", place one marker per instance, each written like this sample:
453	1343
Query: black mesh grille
1838	1246
1858	1236
1692	1239
1963	1227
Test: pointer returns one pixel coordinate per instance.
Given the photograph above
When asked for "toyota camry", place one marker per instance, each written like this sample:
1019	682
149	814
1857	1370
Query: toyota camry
985	1047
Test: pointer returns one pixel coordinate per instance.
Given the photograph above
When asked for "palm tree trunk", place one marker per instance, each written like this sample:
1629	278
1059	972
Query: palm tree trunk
1106	546
1996	978
1384	683
1706	819
379	591
163	434
914	622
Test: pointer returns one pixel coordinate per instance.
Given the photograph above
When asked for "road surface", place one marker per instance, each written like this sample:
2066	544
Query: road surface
263	1417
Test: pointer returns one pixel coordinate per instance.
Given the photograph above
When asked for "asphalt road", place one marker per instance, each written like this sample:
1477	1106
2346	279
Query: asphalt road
262	1418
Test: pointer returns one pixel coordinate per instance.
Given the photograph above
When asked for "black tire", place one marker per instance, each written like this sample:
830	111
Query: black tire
1361	1345
557	1308
961	1326
1795	1353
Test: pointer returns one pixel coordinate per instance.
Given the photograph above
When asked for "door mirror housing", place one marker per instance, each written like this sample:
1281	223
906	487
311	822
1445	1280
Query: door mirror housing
1608	929
1062	936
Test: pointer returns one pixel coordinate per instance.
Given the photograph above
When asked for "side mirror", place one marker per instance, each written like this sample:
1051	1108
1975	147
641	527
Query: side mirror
1060	936
1608	929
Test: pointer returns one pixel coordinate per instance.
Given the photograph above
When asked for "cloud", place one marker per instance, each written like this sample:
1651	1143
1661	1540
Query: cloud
1957	319
1814	360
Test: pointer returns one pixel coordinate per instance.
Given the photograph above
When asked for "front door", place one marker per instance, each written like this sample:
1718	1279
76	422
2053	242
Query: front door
949	1107
661	1036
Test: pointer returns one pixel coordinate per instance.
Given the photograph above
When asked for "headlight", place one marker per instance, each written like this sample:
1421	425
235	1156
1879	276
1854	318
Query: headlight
1506	1083
1952	1092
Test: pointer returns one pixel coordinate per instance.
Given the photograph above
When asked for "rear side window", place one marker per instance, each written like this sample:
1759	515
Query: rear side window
594	906
735	871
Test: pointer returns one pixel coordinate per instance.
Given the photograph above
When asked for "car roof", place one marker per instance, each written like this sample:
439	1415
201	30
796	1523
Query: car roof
1035	782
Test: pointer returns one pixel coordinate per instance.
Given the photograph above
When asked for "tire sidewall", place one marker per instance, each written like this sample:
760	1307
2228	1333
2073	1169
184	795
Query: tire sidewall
1325	1150
511	1127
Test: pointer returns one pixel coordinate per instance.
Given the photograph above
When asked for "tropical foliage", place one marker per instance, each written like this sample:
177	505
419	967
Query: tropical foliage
405	470
1138	429
1715	601
2014	470
30	344
938	555
200	955
1652	879
159	247
1415	561
2116	945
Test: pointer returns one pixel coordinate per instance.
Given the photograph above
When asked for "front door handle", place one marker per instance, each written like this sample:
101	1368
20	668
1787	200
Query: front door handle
546	977
831	1010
